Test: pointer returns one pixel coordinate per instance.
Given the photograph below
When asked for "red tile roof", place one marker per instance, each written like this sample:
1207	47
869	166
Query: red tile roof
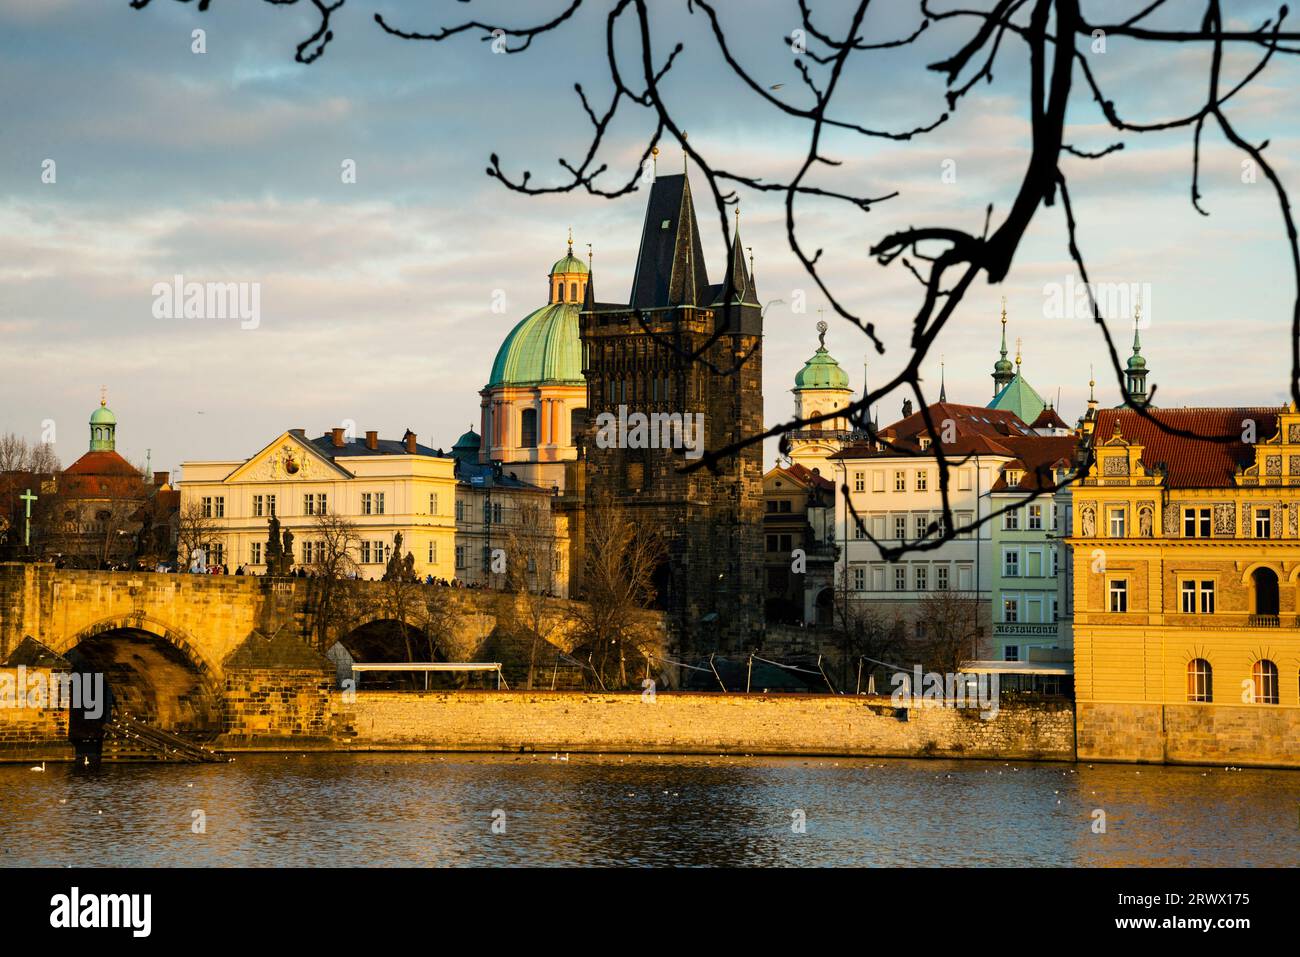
1048	419
101	462
807	477
979	431
1192	463
1039	457
101	474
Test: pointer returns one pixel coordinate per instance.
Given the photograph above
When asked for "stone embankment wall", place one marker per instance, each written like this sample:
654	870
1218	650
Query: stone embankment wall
1249	735
698	723
30	733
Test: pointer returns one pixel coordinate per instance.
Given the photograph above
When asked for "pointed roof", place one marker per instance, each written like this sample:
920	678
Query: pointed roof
1019	396
742	281
979	431
1048	419
1191	463
670	267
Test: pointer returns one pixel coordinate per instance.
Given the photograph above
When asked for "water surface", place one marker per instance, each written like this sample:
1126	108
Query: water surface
412	810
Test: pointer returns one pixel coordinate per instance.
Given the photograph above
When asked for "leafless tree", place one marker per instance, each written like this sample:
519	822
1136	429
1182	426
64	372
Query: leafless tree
613	623
332	589
194	530
533	569
951	631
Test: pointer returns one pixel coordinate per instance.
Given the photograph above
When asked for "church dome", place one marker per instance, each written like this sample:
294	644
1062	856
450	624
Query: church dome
1136	361
466	447
821	372
103	416
544	347
569	264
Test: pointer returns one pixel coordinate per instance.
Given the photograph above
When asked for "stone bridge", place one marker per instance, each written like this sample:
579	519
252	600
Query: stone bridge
174	648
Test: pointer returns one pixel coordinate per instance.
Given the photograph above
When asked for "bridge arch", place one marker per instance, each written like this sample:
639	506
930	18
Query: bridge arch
152	671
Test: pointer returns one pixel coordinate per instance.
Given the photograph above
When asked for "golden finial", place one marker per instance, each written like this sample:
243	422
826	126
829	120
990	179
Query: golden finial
751	261
1004	310
570	240
588	258
654	160
103	396
1017	353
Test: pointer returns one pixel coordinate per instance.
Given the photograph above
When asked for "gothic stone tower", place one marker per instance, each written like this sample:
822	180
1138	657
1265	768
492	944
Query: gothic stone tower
639	355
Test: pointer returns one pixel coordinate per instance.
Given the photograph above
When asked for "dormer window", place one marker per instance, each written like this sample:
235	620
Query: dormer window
1013	476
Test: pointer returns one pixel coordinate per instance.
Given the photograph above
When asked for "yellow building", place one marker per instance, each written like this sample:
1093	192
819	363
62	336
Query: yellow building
1186	574
383	486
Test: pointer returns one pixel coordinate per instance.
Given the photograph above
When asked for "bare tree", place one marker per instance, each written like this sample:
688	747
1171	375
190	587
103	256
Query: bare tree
533	569
194	530
613	622
332	591
951	633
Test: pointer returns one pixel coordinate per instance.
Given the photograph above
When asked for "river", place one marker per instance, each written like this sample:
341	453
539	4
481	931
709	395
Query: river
440	809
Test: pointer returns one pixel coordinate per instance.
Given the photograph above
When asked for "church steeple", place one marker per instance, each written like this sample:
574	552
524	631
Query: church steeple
1135	379
1002	370
943	391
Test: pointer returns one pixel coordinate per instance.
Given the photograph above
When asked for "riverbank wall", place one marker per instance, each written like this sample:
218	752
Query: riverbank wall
669	723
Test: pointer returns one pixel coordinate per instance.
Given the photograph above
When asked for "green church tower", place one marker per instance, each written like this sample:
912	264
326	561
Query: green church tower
103	428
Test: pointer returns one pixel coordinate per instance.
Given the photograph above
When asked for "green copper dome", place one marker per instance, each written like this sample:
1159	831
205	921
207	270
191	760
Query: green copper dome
466	447
569	263
543	348
821	372
103	416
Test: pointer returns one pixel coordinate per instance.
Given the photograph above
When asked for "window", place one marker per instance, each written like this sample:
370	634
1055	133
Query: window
255	552
1056	516
257	511
1119	595
1263	523
1056	562
206	506
1116	518
1011	653
922	481
1011	563
433	505
859	529
1196	523
270	504
900	527
1200	680
1194	600
921	524
922	577
784	506
216	553
900	481
941	577
309	505
1010	610
900	578
1264	674
1013	477
1035	517
365	553
367	504
528	429
859	482
460	556
460	511
433	553
1011	519
770	506
859	578
220	508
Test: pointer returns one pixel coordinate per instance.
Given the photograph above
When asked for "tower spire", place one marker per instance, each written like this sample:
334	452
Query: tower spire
1135	380
570	240
943	391
1003	372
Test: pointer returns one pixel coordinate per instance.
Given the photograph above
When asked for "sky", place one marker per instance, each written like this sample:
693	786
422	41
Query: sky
377	296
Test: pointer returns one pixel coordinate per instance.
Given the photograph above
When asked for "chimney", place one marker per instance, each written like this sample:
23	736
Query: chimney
372	440
409	437
160	478
338	437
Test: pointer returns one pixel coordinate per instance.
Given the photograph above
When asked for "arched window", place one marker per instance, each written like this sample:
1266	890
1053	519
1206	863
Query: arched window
573	292
1265	676
1200	680
1266	594
559	292
528	429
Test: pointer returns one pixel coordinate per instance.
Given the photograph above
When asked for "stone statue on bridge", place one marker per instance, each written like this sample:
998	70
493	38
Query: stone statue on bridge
273	553
286	558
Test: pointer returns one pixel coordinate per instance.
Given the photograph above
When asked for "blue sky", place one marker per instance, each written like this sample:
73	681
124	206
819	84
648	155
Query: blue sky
376	296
